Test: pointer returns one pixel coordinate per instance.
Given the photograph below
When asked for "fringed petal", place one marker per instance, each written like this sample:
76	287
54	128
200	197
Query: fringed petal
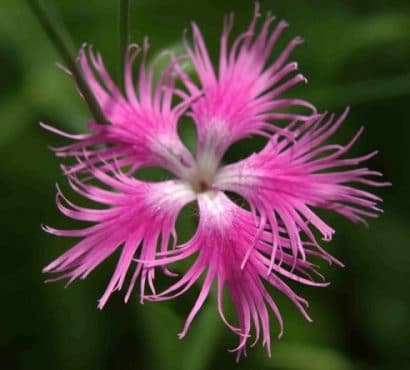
241	97
221	242
142	129
289	179
140	217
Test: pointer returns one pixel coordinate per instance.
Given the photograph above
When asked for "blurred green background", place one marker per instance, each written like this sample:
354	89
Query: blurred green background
357	53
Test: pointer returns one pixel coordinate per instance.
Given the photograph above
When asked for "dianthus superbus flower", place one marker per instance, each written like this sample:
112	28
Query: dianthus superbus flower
242	250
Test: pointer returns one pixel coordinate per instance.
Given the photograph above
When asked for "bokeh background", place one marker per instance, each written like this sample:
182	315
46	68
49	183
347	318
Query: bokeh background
357	53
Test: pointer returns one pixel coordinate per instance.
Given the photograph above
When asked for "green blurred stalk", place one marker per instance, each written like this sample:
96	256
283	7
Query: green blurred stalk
204	339
160	325
125	31
63	44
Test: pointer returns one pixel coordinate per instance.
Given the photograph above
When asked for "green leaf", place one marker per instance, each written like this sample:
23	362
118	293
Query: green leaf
13	117
161	325
161	59
299	356
203	339
125	30
361	92
59	37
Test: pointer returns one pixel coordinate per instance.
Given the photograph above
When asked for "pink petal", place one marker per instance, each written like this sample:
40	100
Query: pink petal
140	214
222	240
241	97
143	122
289	179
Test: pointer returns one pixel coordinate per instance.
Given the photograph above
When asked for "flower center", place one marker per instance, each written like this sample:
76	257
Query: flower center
202	177
201	186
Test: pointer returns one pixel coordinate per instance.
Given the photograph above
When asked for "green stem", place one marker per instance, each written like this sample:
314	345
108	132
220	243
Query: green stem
57	36
125	30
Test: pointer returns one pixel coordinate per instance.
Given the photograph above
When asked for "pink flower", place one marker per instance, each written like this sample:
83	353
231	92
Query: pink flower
241	250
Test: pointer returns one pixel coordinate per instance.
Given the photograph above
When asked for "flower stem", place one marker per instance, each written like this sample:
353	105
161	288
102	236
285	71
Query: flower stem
125	30
62	43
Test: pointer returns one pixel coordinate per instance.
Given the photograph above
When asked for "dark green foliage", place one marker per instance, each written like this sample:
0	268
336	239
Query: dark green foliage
356	53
